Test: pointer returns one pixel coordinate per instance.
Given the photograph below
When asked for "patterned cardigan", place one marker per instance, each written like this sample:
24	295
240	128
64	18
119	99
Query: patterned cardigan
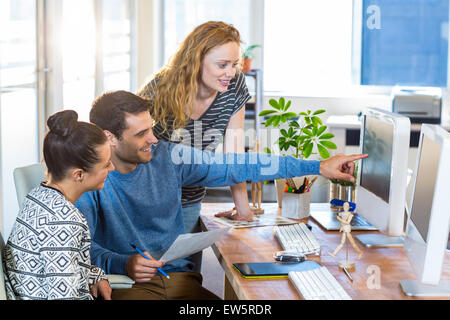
47	254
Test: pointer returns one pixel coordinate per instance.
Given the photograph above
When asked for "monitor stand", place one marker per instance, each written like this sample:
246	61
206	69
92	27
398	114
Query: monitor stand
373	240
413	288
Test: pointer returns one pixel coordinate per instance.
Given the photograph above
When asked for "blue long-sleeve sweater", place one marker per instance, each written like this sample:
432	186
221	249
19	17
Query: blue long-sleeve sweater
144	206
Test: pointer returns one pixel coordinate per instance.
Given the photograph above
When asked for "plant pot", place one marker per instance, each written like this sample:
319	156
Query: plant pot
347	193
296	205
246	65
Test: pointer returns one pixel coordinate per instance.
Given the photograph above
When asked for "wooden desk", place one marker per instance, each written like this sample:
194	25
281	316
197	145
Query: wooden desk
258	245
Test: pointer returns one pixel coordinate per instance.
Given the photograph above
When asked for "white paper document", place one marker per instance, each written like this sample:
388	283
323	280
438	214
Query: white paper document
258	221
190	243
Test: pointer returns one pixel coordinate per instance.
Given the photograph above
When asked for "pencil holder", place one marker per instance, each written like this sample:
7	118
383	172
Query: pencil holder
296	205
281	185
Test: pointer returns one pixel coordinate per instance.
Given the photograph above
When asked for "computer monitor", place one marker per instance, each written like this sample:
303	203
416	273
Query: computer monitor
428	222
382	177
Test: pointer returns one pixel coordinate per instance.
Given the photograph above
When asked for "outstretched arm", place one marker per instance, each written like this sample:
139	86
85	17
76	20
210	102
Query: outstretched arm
340	167
210	169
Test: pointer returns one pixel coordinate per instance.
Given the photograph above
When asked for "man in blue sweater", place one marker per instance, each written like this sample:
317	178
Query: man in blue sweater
141	199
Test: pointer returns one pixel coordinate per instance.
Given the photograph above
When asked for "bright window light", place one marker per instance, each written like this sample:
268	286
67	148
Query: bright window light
78	52
182	16
307	45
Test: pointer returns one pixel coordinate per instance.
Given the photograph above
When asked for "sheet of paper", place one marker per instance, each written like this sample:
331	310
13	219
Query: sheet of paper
258	221
189	243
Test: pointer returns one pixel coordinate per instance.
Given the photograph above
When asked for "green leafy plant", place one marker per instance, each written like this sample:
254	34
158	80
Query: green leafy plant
304	134
248	53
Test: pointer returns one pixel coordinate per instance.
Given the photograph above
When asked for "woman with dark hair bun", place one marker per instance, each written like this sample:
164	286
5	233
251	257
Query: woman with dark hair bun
47	254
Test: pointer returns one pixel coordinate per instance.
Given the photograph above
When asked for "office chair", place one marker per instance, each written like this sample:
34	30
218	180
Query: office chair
2	276
28	177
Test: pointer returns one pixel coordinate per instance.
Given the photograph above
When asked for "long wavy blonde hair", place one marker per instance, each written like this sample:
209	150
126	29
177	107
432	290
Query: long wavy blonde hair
177	86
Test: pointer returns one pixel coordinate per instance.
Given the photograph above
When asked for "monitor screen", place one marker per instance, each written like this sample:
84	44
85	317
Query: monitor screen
376	169
424	186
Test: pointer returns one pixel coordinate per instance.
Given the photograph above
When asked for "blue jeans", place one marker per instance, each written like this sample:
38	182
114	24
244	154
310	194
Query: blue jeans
190	217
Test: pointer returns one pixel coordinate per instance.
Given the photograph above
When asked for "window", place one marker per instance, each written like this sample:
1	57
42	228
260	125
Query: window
405	42
182	16
328	47
97	54
118	40
78	55
18	100
80	49
307	45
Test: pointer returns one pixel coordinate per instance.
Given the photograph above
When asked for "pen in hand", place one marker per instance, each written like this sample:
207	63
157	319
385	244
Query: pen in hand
148	258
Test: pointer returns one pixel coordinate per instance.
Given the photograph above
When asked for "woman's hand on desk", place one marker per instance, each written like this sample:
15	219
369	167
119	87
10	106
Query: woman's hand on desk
234	214
141	269
102	289
340	167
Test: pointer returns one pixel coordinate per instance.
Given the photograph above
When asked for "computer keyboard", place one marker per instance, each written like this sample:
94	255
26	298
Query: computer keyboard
297	238
318	284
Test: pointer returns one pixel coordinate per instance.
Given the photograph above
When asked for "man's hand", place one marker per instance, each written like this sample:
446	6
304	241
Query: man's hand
340	167
141	269
103	289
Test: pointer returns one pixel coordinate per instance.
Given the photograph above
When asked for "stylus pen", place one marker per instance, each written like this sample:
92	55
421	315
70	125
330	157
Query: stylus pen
148	258
348	274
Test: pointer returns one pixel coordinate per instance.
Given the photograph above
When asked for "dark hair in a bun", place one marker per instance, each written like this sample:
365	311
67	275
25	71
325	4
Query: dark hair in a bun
71	144
63	123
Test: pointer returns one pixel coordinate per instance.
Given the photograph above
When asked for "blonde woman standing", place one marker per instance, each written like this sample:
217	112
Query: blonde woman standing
199	99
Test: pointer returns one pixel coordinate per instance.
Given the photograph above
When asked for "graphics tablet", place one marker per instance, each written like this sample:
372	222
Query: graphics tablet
257	270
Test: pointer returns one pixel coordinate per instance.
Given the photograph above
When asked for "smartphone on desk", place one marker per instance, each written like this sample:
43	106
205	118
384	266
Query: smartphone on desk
257	270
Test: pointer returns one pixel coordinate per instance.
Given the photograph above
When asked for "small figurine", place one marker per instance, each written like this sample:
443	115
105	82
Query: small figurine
345	218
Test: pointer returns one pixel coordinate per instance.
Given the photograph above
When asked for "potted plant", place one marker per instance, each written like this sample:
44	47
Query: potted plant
301	134
247	57
306	134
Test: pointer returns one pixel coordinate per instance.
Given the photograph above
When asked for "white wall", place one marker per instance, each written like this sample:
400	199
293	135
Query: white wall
350	103
335	105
